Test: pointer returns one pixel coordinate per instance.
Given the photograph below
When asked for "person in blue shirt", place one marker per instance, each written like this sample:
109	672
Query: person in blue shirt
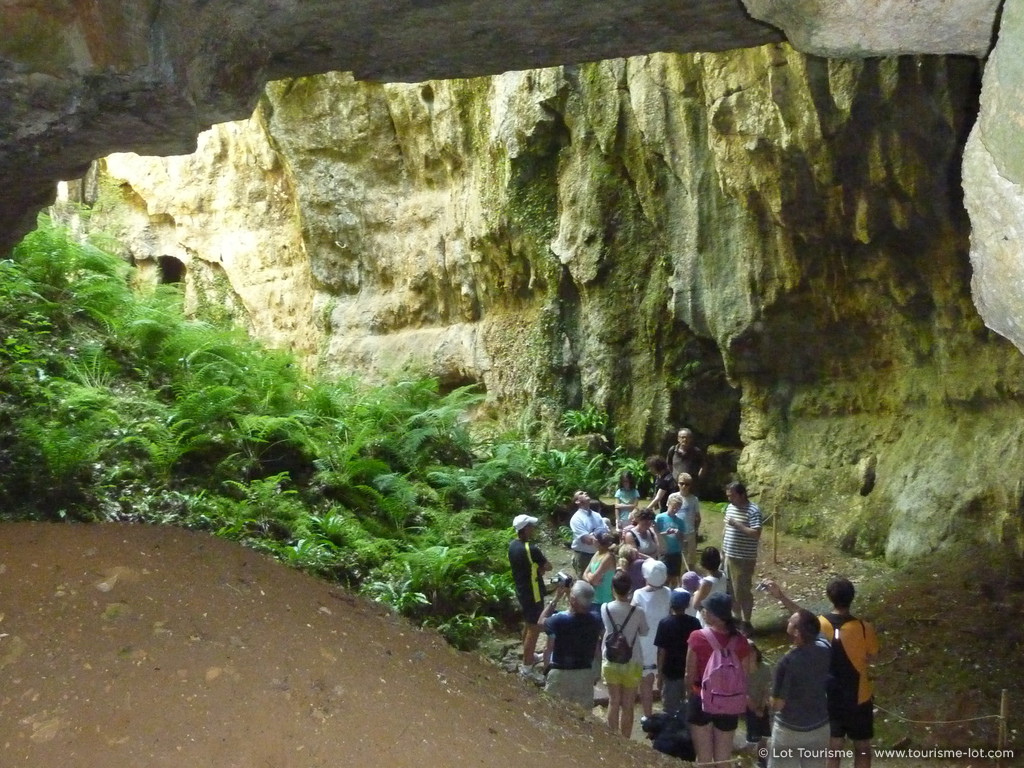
672	530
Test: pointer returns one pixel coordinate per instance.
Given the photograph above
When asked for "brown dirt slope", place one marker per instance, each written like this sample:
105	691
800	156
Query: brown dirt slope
145	646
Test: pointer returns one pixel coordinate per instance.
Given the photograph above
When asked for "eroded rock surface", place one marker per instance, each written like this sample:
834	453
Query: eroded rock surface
994	185
882	27
79	81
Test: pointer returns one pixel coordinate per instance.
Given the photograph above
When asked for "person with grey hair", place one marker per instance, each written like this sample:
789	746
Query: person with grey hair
685	456
575	634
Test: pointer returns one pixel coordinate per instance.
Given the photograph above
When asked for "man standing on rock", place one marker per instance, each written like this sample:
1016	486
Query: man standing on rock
742	534
585	524
854	646
685	456
528	568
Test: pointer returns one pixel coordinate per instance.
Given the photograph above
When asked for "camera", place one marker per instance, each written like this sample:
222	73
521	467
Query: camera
562	579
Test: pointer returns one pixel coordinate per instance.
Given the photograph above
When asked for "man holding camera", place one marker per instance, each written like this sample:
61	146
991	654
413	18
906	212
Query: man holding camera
528	568
575	634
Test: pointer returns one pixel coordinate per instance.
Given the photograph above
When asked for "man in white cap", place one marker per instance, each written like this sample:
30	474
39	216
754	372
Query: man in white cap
653	599
528	568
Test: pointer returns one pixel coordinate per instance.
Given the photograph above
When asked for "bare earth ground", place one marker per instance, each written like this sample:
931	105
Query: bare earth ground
146	647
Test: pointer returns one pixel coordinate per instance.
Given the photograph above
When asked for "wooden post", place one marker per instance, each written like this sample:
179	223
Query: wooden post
1004	713
775	537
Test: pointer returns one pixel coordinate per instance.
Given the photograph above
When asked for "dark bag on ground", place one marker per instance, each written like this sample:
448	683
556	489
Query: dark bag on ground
670	734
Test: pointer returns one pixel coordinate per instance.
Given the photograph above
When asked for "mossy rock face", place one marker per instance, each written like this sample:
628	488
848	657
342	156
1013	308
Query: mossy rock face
767	247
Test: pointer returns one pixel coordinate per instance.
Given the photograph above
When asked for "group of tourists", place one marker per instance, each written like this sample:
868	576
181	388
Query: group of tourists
640	614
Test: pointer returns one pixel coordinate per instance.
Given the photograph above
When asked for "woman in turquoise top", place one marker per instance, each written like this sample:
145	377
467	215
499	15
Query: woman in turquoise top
601	569
626	497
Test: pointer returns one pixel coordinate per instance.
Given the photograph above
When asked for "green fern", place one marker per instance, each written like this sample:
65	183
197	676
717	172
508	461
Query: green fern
93	368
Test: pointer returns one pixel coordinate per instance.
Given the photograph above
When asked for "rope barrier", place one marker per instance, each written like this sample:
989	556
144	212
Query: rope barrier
936	722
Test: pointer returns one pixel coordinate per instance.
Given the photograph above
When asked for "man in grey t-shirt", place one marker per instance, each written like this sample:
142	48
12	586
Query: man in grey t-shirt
800	736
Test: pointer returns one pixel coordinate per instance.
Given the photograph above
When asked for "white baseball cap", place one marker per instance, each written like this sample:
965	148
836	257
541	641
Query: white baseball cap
521	521
655	573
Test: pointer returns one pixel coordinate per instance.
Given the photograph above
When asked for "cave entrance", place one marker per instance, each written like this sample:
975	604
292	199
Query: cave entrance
172	270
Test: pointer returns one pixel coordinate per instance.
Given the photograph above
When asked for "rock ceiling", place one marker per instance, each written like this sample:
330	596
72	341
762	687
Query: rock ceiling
81	80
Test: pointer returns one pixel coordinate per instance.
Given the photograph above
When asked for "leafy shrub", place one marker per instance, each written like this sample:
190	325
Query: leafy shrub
563	472
588	421
463	630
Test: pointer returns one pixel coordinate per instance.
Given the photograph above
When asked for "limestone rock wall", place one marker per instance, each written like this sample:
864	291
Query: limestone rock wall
766	246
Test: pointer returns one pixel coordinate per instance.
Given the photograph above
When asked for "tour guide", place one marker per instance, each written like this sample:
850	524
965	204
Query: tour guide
528	568
742	534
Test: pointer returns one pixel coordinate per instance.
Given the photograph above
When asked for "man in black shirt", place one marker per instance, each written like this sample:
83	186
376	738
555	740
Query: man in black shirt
673	632
528	568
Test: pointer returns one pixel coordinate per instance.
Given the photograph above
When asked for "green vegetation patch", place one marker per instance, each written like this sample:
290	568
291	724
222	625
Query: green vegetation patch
116	406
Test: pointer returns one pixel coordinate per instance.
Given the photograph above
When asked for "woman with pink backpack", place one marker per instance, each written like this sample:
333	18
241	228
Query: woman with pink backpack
718	660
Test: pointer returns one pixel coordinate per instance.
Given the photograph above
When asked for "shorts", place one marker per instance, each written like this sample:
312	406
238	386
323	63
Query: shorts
627	675
673	563
788	744
856	723
697	716
531	610
575	685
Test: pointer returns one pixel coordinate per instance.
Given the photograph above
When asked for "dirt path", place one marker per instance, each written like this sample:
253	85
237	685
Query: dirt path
143	646
146	646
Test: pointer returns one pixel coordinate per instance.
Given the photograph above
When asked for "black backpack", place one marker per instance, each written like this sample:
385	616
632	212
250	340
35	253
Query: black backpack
670	733
843	678
617	648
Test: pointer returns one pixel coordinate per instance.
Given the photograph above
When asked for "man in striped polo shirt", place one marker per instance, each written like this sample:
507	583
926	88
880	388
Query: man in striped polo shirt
742	534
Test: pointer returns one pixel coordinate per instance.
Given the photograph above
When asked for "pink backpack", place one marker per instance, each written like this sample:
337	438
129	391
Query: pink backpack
723	689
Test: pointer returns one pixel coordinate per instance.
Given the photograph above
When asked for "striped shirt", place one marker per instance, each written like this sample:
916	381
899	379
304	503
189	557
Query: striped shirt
736	542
